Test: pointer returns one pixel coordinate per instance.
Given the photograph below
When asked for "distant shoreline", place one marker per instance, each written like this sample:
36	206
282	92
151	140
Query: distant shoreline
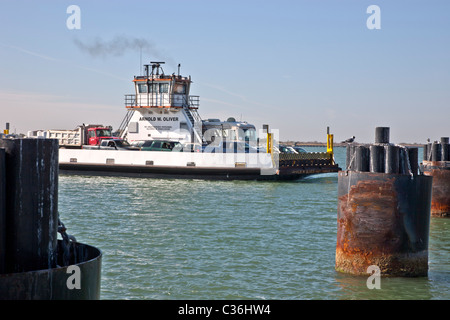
324	144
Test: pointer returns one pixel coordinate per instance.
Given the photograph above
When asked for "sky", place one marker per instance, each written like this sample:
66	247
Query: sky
299	66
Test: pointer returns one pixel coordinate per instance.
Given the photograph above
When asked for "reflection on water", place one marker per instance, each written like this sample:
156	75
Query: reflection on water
355	287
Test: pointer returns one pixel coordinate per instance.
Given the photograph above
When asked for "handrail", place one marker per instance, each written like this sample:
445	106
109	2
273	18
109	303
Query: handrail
130	100
190	101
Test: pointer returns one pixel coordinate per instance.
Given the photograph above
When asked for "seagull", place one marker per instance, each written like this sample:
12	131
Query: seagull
350	140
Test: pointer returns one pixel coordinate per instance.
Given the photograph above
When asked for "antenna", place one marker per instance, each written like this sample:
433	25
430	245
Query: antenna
140	60
146	69
157	65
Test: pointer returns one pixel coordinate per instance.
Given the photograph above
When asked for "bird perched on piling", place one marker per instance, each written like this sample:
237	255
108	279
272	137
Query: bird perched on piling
350	140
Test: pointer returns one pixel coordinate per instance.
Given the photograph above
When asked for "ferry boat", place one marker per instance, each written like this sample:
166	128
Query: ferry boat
162	109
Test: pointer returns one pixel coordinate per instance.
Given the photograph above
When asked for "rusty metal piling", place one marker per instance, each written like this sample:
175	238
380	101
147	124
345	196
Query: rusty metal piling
383	213
436	163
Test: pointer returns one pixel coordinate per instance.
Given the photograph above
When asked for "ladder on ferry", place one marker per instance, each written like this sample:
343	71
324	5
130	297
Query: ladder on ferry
196	123
123	128
194	118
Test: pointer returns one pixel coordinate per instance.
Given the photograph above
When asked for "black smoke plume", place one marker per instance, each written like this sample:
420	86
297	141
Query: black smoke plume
120	45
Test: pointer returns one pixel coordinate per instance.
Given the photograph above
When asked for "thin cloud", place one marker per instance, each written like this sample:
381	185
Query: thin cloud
221	102
231	93
31	52
48	58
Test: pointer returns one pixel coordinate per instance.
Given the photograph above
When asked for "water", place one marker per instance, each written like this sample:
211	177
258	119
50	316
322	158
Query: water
194	239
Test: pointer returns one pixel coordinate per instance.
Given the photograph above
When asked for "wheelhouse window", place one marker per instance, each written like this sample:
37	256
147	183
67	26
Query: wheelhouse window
154	87
142	88
159	88
180	88
163	88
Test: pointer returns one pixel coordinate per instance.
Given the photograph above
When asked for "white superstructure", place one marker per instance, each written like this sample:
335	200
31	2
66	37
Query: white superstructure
161	108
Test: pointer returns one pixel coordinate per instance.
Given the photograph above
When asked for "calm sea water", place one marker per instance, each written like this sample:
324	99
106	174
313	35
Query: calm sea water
194	239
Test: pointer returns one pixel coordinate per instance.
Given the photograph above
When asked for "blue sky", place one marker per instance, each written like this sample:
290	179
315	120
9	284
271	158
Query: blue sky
298	66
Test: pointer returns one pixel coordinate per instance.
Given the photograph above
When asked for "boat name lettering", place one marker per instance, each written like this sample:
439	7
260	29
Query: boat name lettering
158	119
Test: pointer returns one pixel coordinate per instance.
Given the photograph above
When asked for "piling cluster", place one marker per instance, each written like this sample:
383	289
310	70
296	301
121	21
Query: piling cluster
383	210
436	163
437	150
382	156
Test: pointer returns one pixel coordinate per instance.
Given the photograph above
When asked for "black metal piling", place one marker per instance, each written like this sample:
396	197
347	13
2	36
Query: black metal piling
413	155
2	212
382	134
350	153
384	214
32	203
392	156
362	158
436	152
445	155
31	263
377	161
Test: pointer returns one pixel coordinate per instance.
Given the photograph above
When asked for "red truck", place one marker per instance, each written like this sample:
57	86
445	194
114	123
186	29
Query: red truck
97	133
90	134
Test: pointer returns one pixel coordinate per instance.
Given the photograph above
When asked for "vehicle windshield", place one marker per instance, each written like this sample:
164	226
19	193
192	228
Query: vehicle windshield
250	135
177	147
103	133
122	143
137	143
299	149
291	150
286	149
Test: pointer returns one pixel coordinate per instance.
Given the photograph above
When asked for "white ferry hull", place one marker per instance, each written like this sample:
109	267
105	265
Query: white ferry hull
159	164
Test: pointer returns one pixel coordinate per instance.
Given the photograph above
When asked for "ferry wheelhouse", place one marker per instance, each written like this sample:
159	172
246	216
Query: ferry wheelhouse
162	108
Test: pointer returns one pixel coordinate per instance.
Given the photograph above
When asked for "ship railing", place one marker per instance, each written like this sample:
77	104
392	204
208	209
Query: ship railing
192	102
130	100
